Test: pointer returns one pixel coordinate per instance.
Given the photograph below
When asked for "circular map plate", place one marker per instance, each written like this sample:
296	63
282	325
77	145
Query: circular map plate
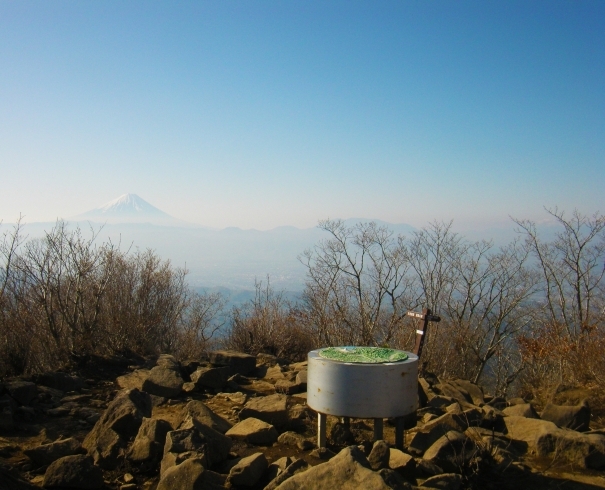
364	355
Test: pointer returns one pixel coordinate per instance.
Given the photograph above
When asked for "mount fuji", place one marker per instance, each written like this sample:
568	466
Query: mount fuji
130	208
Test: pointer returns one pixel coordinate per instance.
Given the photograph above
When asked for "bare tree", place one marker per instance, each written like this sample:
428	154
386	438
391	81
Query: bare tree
357	287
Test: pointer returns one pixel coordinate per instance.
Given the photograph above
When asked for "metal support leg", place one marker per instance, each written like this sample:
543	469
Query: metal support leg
377	429
346	421
321	430
399	421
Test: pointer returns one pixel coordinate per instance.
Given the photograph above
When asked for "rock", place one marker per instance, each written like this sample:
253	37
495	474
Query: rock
278	466
273	409
248	471
292	469
60	381
254	431
394	480
120	422
341	435
168	361
149	442
200	412
23	392
293	439
521	410
237	362
210	377
545	438
451	451
424	439
379	456
574	417
322	453
133	380
47	453
286	387
440	401
301	379
218	445
348	470
11	480
402	463
73	472
427	468
163	381
189	475
446	481
456	392
475	391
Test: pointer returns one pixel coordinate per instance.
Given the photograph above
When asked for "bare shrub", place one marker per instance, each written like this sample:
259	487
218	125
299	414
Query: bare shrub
271	325
64	297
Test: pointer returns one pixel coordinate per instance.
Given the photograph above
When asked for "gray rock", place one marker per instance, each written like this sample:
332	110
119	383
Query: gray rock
451	451
290	438
73	472
341	435
163	381
47	453
292	469
402	463
211	377
237	362
475	391
190	475
287	387
273	409
379	456
253	431
133	380
249	470
23	392
150	440
521	410
348	470
11	480
218	445
168	361
120	422
199	412
322	453
574	417
394	480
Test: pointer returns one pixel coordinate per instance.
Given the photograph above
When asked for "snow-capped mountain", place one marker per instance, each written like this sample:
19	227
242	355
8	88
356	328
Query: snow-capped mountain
130	208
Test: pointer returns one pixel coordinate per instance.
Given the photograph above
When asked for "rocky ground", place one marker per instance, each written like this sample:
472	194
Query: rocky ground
236	421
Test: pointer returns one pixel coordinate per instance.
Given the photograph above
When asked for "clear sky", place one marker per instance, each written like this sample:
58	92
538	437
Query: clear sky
265	113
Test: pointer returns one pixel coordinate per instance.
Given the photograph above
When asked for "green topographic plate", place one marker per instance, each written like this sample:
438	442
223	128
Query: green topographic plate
366	355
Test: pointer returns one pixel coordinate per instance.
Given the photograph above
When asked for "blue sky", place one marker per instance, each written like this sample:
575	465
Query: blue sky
265	113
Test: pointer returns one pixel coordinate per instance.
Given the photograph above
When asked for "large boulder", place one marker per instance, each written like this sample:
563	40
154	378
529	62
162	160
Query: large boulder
546	439
190	475
163	381
149	442
200	412
136	379
451	451
237	362
253	431
23	392
273	409
348	470
521	410
119	423
379	456
73	472
248	471
211	377
574	417
47	453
